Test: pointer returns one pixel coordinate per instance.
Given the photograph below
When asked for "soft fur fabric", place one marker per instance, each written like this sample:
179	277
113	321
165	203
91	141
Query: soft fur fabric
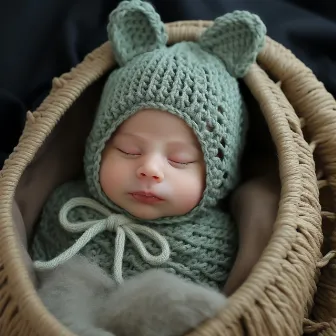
86	300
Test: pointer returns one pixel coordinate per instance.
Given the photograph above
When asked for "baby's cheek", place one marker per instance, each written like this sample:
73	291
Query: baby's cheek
189	202
110	174
189	191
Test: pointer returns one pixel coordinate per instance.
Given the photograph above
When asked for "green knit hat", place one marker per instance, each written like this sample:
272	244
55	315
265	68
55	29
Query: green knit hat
196	81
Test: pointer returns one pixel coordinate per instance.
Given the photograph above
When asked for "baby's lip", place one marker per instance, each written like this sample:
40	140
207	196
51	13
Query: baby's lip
146	194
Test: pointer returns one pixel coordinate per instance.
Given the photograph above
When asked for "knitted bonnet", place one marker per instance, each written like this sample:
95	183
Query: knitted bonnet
196	81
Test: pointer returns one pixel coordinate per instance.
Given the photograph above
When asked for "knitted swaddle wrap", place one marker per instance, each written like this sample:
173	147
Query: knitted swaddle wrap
196	81
202	251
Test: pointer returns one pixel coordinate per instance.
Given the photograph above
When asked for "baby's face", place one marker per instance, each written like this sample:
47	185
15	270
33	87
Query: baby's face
153	166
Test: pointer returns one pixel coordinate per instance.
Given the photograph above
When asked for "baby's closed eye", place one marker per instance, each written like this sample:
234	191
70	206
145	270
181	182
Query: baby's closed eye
181	160
129	151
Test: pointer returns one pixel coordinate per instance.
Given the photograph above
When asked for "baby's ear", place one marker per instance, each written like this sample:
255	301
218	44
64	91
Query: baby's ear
135	28
236	38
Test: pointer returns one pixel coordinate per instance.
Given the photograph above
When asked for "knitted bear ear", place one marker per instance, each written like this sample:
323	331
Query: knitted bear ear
236	38
135	28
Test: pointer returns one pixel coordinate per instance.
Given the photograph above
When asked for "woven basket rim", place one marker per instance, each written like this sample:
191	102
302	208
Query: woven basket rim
45	118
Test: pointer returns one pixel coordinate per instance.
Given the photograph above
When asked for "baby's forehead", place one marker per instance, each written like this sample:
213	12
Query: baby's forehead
153	123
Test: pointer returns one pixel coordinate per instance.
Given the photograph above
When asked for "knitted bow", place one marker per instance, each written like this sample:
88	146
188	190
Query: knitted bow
120	224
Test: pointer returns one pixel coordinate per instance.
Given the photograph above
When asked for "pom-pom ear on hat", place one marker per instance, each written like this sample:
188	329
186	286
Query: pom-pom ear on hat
135	28
236	38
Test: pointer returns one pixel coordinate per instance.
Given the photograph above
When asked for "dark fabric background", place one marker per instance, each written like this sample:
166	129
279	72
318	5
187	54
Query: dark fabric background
40	39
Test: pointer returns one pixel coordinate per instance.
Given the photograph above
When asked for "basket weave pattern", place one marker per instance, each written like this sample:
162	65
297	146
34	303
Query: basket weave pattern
279	295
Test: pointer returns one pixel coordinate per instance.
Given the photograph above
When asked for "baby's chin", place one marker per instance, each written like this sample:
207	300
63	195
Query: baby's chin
146	213
150	213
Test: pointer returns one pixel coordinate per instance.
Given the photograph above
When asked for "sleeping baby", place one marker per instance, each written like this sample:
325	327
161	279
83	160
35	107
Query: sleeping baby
140	245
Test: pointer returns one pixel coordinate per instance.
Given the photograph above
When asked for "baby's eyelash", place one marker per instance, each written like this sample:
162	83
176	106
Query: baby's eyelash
181	163
172	161
130	154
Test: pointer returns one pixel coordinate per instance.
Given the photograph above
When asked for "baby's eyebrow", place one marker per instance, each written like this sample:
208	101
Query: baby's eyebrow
186	145
137	137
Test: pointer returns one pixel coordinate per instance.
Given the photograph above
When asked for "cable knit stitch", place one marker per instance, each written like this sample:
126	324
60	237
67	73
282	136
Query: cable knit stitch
196	81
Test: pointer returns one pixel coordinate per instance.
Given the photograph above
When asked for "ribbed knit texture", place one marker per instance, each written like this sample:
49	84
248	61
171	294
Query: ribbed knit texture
196	81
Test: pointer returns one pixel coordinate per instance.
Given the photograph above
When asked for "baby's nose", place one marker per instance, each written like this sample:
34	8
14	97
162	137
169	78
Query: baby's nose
158	177
150	171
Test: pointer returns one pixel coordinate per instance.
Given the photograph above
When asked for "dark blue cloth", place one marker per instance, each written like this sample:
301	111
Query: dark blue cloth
41	39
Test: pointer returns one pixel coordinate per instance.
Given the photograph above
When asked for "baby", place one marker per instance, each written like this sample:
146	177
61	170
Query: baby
164	149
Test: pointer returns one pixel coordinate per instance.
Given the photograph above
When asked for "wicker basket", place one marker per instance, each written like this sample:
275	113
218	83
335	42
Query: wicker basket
286	291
